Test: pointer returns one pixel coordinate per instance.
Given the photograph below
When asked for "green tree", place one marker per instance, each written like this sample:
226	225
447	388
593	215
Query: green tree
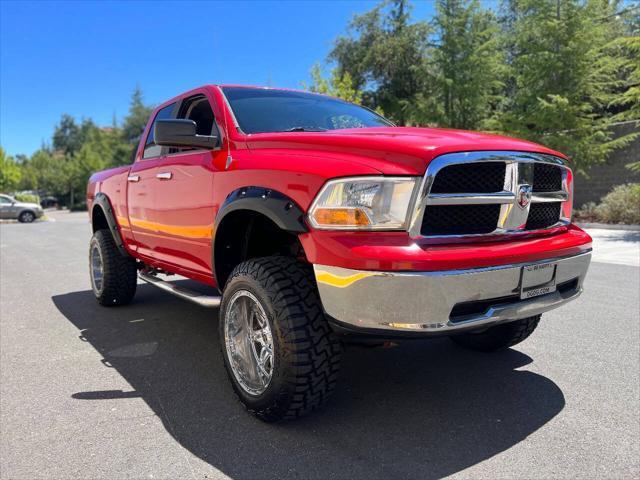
555	70
10	173
79	149
338	85
384	54
43	171
68	136
466	66
97	153
136	119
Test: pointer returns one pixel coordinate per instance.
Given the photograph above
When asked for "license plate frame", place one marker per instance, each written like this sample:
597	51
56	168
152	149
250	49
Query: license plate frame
538	279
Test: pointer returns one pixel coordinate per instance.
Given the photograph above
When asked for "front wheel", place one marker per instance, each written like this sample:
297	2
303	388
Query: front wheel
27	217
113	276
498	337
280	354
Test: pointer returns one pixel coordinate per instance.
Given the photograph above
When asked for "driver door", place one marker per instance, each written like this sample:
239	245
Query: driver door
141	194
184	194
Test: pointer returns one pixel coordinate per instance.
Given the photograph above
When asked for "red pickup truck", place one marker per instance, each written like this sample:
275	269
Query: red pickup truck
321	222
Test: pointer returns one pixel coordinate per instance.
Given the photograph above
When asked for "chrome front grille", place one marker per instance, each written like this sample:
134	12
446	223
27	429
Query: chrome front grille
459	219
470	177
546	177
543	215
492	194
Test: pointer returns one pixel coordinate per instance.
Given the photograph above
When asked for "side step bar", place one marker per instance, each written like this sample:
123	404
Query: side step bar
208	301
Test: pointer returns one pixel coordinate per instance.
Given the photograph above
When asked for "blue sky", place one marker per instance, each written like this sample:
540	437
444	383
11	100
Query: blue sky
85	58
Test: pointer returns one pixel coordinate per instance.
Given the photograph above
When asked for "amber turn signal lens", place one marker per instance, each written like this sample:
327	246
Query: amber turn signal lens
341	216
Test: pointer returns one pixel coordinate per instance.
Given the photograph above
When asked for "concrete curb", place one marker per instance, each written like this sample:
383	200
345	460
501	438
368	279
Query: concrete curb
610	226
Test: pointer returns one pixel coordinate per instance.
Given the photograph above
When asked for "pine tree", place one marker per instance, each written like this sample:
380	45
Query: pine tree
465	64
557	70
136	119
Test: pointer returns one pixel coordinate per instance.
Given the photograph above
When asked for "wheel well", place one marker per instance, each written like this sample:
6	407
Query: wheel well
245	234
98	219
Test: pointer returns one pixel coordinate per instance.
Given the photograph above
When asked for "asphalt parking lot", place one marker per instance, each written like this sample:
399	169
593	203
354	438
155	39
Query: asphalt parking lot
140	391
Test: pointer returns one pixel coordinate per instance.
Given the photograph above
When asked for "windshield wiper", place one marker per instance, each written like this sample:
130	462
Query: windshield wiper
305	129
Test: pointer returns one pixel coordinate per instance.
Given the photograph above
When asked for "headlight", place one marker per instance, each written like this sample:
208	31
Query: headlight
364	203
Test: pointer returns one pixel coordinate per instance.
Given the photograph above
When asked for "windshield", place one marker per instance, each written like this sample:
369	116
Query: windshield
260	110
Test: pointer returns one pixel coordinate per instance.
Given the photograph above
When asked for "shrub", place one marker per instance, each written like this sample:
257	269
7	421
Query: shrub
27	198
621	205
586	213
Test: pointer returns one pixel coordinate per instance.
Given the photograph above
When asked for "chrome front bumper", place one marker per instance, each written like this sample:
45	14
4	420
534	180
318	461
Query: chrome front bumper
444	301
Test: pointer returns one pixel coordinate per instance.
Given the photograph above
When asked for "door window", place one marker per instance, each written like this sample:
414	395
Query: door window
199	110
5	200
150	148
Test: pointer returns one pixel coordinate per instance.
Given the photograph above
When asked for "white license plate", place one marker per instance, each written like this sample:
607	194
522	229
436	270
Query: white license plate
536	292
537	280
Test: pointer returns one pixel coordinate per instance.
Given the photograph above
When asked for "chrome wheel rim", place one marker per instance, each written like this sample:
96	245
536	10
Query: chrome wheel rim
27	217
249	342
97	269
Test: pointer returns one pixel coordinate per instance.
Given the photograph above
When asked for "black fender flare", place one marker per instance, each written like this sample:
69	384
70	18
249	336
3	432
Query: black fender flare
102	202
274	205
278	207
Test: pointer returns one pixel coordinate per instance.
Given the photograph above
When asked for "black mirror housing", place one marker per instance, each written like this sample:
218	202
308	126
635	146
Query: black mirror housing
181	133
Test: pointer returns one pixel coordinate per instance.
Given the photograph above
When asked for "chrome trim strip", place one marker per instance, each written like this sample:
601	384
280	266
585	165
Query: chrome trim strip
513	215
408	301
470	198
549	197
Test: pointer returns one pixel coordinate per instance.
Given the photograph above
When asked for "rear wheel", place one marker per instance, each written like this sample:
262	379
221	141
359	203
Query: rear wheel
27	217
113	276
279	351
498	337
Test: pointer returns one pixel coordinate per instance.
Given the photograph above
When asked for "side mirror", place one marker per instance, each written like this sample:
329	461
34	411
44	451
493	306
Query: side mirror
181	133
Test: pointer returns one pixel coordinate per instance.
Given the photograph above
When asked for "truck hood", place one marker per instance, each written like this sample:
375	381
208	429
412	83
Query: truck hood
391	150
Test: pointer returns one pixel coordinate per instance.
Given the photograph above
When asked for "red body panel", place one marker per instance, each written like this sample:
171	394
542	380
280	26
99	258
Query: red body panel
170	225
396	251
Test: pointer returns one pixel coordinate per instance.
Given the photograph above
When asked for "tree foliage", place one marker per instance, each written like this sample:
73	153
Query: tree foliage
465	64
559	72
9	172
563	77
338	85
77	150
136	119
384	55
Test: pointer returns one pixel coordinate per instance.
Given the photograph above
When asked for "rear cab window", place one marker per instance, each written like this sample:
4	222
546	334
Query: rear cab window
198	109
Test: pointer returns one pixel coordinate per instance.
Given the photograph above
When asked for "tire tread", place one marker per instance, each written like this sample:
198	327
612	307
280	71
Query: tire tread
119	272
312	349
499	337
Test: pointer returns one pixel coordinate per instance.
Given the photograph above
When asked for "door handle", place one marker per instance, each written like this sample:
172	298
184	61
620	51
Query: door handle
133	178
164	175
